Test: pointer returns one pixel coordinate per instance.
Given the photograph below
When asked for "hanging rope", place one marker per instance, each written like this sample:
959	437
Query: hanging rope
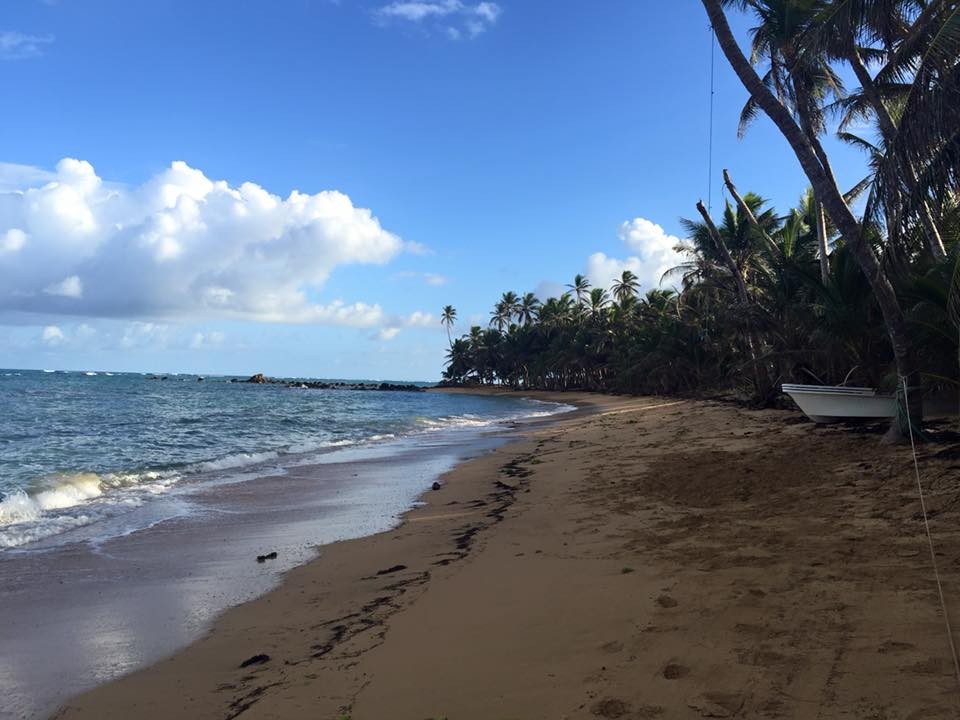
933	554
713	46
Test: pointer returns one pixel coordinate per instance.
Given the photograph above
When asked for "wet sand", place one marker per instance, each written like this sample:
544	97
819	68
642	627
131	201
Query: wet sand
85	607
654	559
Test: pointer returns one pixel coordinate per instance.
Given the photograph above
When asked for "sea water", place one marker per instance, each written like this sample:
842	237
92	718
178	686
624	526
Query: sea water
132	509
81	449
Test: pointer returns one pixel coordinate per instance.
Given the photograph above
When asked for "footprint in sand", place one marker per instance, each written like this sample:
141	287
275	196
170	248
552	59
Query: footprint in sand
665	601
894	646
610	708
675	672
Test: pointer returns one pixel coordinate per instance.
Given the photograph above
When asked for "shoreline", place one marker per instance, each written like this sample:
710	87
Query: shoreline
638	558
104	601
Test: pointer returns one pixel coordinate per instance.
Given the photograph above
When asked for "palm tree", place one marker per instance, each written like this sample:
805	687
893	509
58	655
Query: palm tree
448	316
511	304
598	301
580	287
529	306
501	315
625	288
819	172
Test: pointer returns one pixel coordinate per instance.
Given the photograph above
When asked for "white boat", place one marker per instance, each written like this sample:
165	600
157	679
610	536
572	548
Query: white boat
830	403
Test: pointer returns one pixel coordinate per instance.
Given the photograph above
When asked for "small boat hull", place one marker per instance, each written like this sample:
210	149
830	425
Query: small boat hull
828	404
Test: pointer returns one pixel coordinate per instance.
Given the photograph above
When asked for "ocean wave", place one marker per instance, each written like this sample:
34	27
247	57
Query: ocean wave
238	460
61	502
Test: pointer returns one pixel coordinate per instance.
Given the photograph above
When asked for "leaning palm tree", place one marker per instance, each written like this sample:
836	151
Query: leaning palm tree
817	167
448	316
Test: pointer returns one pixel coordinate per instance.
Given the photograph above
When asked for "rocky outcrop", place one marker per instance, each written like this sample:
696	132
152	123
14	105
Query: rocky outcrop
261	379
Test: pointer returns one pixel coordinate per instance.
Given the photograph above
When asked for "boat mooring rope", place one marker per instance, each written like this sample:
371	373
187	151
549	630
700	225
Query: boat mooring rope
933	554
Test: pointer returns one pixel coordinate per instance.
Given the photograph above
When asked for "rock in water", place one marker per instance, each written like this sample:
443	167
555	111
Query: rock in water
268	556
436	485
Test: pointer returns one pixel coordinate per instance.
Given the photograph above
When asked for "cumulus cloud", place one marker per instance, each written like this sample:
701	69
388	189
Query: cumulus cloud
455	18
394	325
18	46
52	335
653	250
12	240
180	246
70	287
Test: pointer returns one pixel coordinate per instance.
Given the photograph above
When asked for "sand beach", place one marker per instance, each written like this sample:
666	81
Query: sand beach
641	558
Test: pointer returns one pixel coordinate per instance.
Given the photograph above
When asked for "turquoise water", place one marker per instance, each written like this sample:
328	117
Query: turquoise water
79	448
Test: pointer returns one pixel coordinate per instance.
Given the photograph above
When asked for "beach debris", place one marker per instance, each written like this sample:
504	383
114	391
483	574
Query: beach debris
255	660
268	556
436	485
395	568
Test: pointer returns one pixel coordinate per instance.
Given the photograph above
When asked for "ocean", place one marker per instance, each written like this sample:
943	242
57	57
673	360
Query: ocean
132	509
78	448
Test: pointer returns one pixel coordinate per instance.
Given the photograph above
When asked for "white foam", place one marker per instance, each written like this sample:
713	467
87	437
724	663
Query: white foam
69	490
234	461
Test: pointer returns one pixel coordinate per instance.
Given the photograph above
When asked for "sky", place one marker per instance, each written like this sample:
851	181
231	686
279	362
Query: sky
297	187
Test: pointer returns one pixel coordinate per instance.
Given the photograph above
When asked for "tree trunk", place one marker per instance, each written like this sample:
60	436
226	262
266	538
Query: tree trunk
821	221
761	378
829	194
751	218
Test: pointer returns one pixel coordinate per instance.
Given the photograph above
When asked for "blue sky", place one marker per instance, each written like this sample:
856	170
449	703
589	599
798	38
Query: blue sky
443	151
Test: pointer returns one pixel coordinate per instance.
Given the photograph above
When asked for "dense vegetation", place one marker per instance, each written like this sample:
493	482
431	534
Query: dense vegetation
855	285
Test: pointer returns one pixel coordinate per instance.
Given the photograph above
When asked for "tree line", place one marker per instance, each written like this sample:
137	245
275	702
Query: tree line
854	285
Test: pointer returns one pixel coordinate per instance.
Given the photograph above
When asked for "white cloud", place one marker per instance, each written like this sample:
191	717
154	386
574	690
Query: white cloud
180	246
394	325
654	255
206	341
14	176
435	279
453	17
12	240
52	335
420	319
388	333
70	287
18	46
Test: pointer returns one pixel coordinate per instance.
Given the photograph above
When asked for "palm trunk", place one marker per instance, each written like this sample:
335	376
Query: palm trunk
821	221
751	218
826	190
761	378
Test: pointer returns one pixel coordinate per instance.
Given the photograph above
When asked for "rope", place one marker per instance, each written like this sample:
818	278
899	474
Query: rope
933	554
713	45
